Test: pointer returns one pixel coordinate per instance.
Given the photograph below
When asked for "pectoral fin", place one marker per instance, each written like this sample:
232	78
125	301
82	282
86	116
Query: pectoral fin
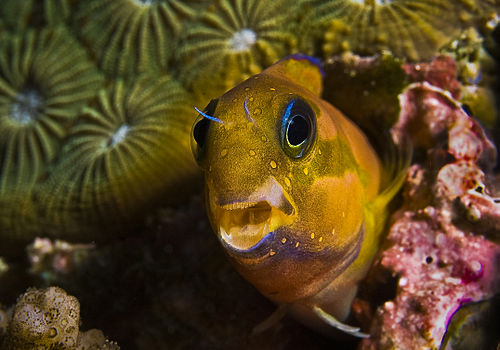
277	315
332	321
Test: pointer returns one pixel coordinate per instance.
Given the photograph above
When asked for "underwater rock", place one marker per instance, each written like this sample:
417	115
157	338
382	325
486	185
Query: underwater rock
47	319
441	257
370	87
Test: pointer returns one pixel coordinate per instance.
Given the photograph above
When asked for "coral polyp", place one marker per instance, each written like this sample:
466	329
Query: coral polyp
415	29
145	30
233	40
44	80
121	156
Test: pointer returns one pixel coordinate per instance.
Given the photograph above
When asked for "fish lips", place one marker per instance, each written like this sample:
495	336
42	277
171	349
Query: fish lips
247	228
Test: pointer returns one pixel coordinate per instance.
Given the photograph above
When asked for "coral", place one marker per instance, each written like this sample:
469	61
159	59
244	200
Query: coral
413	29
44	79
56	11
144	29
48	319
438	245
49	259
234	40
16	14
43	319
121	156
94	339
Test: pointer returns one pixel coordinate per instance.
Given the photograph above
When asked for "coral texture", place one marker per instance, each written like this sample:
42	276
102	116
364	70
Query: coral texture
234	40
44	79
48	319
43	319
414	29
145	30
121	156
438	243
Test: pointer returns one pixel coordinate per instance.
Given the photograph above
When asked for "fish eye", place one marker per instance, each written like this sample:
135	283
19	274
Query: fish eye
298	128
200	130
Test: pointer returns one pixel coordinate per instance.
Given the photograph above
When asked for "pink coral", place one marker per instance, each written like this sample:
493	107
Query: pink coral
439	243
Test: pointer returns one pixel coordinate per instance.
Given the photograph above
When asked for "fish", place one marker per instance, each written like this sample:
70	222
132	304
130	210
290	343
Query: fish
294	191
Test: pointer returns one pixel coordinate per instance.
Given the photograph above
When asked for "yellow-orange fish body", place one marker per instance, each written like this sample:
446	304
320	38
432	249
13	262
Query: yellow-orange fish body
291	189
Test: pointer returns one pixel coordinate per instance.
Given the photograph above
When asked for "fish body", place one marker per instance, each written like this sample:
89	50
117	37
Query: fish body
293	189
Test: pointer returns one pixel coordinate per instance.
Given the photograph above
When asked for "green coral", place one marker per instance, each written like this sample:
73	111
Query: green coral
131	36
44	79
16	14
121	156
414	29
233	40
56	12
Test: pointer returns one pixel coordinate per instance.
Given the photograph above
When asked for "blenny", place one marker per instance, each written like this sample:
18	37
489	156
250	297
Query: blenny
294	190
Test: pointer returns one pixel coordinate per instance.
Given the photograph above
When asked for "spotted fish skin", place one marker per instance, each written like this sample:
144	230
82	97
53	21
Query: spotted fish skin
292	189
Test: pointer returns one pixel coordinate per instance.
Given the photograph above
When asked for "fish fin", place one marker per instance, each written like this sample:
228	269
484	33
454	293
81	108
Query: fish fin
396	164
396	160
276	316
332	321
303	70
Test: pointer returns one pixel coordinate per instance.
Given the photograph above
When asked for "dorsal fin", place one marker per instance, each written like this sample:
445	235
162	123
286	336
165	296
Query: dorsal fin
303	70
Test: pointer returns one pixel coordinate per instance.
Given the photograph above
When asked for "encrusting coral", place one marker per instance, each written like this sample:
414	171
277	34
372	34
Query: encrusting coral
414	29
48	319
233	40
145	30
441	244
122	155
44	79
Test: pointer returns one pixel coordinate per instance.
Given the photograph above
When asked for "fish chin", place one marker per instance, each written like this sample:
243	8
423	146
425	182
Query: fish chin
244	225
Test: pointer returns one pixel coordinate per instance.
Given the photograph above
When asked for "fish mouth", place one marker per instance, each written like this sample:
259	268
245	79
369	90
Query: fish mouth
243	221
243	225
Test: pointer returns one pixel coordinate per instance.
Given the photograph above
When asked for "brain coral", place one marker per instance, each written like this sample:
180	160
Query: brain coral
233	40
123	153
144	29
43	319
415	29
44	80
